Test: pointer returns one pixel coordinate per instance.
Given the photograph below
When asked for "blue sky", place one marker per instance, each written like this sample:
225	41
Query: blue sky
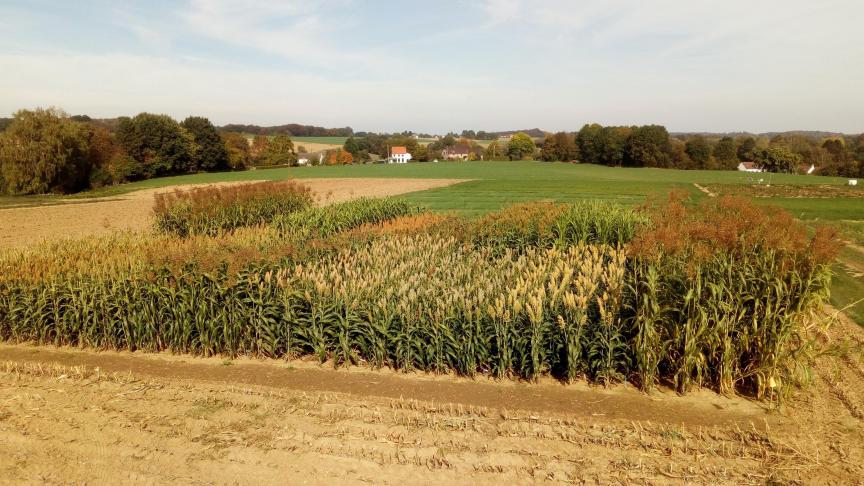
757	65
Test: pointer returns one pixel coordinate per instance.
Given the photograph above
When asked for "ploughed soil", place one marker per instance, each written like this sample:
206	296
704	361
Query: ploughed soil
82	217
79	416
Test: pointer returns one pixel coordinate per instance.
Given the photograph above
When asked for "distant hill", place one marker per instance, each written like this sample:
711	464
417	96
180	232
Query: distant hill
814	134
484	135
4	122
293	129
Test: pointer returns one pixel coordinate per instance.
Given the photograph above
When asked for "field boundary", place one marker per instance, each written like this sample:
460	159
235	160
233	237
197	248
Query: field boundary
621	402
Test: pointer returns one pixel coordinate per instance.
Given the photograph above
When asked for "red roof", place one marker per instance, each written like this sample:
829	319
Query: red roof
398	150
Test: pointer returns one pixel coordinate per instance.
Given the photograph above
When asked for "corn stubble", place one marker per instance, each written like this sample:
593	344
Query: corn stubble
715	295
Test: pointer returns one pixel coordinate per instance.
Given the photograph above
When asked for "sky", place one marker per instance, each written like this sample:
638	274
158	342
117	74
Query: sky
444	65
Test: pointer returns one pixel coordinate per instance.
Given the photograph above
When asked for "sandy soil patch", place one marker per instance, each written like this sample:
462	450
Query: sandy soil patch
30	225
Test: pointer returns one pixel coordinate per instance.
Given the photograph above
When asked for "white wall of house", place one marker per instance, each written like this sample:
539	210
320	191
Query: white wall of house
399	158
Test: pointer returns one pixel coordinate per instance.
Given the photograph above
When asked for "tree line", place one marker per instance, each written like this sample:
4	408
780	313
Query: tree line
484	135
291	129
652	146
47	151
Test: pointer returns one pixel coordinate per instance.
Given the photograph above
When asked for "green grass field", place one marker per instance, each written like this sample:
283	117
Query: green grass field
847	287
497	184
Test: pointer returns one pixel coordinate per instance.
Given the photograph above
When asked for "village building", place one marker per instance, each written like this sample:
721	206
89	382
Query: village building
459	151
749	167
398	155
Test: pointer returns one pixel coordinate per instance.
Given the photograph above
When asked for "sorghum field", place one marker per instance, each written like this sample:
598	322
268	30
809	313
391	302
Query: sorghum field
673	293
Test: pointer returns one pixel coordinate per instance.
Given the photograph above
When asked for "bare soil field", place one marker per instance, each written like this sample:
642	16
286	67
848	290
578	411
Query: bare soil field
74	416
29	225
312	147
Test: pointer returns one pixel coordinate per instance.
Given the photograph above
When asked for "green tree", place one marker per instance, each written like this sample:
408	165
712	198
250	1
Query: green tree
699	151
745	148
521	146
359	149
726	153
777	159
678	158
351	146
493	151
422	153
648	146
209	153
156	144
44	151
588	141
280	151
238	150
613	144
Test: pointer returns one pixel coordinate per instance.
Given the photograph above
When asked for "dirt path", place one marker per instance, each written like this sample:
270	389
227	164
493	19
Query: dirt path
618	403
705	190
132	211
74	416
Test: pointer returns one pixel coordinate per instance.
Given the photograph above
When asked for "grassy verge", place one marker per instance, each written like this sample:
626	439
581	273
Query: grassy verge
847	286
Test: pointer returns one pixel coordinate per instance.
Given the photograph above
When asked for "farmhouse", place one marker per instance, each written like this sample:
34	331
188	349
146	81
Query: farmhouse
398	155
458	151
749	167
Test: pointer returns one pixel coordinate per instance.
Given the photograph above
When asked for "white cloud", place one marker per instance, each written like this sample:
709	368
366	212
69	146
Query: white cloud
299	31
123	84
700	65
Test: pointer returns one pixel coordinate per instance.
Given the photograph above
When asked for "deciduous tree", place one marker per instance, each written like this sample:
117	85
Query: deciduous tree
493	151
280	151
521	146
725	152
648	146
209	153
238	150
699	151
339	157
777	159
745	148
44	151
156	144
259	149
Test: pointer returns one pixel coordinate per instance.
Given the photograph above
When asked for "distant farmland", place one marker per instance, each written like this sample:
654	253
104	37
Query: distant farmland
320	140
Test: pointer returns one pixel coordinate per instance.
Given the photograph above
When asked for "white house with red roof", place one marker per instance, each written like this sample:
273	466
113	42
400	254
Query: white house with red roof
398	155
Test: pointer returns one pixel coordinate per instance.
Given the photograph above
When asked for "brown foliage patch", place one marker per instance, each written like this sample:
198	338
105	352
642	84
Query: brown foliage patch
728	224
205	199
